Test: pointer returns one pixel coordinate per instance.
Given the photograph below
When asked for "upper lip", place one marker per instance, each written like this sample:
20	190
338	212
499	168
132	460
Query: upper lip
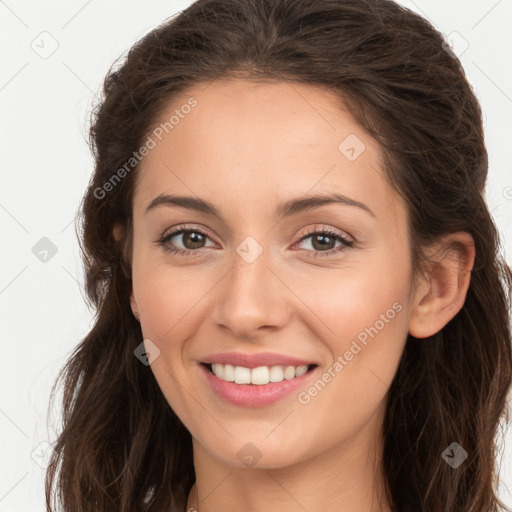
255	360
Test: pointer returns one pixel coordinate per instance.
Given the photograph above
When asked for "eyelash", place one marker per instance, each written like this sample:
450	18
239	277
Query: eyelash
163	241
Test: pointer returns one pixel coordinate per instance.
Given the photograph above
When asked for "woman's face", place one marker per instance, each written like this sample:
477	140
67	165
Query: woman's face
258	276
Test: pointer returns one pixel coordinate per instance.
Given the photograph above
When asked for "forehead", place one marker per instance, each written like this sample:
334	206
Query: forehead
262	140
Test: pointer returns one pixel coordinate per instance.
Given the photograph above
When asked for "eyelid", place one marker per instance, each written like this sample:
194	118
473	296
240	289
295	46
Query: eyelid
318	228
347	241
188	227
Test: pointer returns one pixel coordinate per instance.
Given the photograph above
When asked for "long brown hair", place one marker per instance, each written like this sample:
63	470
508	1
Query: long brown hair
122	448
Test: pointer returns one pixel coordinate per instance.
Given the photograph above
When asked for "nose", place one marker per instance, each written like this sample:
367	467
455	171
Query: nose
252	299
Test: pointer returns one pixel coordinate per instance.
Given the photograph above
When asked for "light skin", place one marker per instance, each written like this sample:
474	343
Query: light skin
247	148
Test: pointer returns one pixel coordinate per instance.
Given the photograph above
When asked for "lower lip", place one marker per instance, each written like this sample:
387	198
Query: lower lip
253	395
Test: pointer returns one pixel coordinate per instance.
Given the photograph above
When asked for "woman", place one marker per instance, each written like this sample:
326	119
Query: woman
301	303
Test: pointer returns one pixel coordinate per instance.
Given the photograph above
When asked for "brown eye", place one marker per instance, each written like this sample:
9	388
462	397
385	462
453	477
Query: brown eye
192	239
326	242
323	242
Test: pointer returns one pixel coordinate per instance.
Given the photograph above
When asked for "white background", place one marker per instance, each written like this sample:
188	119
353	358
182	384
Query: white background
46	165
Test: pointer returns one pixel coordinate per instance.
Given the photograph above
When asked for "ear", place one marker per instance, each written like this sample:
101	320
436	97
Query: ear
441	291
134	307
117	231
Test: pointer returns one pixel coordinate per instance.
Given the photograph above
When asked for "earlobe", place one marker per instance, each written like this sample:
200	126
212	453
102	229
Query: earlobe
134	307
117	231
441	292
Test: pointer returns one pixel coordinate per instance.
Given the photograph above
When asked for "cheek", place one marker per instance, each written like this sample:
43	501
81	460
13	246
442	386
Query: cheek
362	318
357	298
167	296
367	320
169	301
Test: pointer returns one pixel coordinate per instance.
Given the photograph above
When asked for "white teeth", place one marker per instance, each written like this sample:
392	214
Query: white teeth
276	374
259	376
301	370
229	372
242	375
218	369
289	373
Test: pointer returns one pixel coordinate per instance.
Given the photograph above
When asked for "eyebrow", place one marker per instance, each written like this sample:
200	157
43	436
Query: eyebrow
286	209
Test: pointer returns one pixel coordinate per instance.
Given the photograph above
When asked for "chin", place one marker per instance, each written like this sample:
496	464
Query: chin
257	452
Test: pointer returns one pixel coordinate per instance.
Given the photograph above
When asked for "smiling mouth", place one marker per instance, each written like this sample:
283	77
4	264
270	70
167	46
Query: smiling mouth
257	376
